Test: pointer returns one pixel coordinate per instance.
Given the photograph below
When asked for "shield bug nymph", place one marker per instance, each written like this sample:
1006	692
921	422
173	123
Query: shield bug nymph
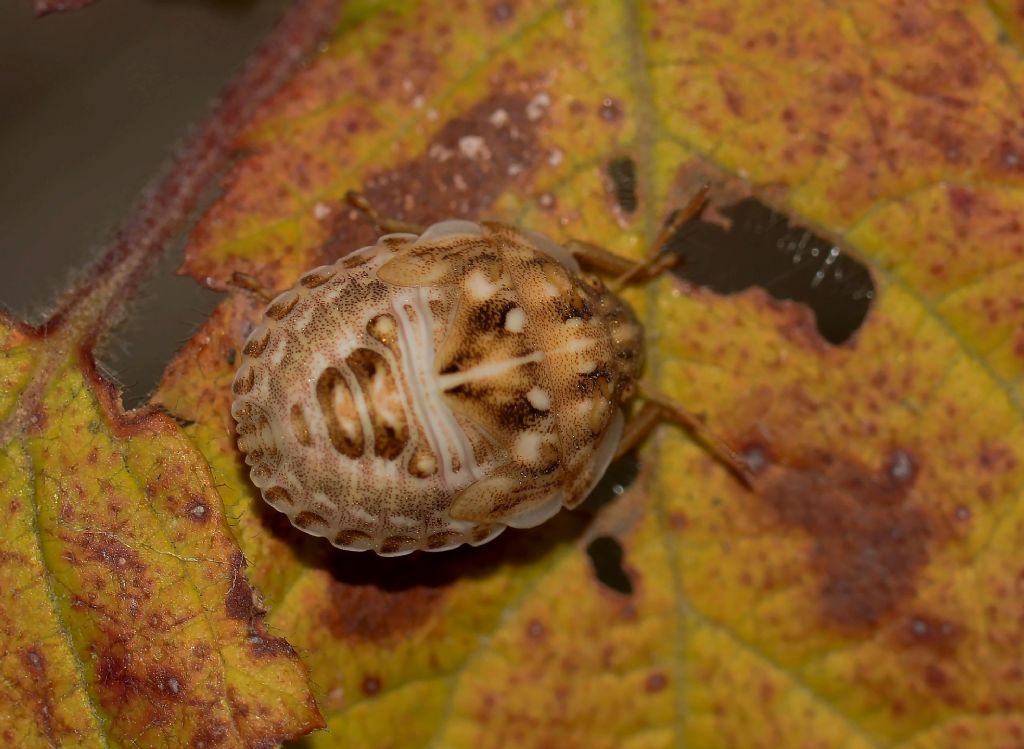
445	383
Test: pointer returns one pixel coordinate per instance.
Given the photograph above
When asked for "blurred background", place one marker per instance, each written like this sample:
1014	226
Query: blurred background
92	103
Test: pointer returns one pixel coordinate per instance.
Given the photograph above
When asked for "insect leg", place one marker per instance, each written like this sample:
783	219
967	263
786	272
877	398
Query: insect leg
598	258
659	407
384	224
252	285
638	427
656	261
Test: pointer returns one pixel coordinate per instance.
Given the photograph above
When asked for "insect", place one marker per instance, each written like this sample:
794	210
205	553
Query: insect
445	383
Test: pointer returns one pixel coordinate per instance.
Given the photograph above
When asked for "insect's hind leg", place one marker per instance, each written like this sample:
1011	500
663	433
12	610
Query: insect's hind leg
384	224
658	408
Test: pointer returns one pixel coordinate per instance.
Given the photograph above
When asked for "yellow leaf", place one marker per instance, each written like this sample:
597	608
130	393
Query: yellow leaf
867	591
125	613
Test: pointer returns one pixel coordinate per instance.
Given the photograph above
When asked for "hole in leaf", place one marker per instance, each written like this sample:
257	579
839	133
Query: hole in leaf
606	556
761	248
161	319
622	172
616	480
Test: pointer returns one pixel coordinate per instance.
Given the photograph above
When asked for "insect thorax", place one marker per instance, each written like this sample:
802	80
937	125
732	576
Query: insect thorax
429	391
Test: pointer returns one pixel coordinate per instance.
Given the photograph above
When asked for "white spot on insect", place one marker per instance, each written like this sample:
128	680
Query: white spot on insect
424	464
304	320
555	157
403	521
574	323
515	168
362	514
527	447
580	344
479	286
321	211
539	398
550	290
499	118
538	104
473	147
515	320
277	356
432	114
418	101
586	367
460	183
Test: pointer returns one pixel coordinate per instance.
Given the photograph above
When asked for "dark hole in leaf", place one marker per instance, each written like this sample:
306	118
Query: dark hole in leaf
622	172
160	320
616	480
761	248
606	556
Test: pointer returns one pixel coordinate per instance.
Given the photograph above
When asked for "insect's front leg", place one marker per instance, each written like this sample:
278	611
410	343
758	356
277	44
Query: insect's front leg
252	285
384	224
656	261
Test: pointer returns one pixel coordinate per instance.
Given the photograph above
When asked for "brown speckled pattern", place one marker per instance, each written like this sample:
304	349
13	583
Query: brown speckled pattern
429	391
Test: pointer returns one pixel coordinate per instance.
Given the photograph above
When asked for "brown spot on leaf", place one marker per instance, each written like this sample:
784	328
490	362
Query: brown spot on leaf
39	691
125	678
610	110
209	734
37	420
371	685
242	601
503	12
940	636
656	682
262	646
535	630
35	661
996	458
198	511
468	163
870	541
372	613
962	201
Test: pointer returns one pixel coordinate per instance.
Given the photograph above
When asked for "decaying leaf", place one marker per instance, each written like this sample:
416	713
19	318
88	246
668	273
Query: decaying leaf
124	607
865	593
